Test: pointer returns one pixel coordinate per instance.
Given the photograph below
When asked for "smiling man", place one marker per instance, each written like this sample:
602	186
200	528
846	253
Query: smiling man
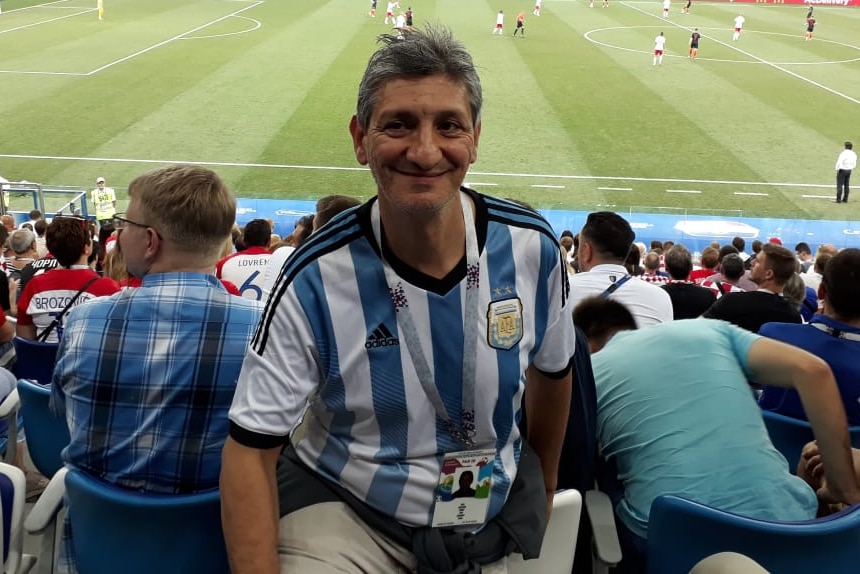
396	351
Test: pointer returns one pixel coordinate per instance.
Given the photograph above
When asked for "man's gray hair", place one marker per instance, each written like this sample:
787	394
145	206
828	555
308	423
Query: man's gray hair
420	53
21	241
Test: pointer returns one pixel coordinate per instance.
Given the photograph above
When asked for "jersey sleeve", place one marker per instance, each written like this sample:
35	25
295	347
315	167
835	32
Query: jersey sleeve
24	302
559	341
278	375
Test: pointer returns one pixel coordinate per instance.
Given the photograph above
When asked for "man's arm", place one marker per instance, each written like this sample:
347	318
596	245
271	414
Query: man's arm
548	405
6	331
26	331
249	508
782	365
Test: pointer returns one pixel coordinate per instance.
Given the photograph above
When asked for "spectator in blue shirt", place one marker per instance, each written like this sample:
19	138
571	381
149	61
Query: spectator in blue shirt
833	335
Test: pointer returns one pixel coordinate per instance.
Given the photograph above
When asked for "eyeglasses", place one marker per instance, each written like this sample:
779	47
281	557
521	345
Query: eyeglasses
120	222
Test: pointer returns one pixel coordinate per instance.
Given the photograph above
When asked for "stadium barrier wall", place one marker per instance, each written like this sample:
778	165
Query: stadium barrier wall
694	231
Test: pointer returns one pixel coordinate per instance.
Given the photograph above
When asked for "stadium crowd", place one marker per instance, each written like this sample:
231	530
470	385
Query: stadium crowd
402	340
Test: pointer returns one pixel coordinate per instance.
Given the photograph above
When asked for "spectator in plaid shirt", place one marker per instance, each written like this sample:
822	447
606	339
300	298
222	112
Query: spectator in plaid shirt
146	377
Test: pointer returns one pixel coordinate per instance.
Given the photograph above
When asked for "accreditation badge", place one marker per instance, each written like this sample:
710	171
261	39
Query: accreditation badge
505	323
463	492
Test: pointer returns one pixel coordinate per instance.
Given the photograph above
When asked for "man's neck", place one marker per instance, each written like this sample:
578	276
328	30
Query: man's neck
829	312
770	286
432	245
595	261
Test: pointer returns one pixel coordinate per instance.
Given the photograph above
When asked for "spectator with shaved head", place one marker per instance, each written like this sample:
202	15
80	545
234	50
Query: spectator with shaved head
652	272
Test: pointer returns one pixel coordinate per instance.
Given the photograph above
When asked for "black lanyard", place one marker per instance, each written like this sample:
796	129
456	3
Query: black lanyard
614	287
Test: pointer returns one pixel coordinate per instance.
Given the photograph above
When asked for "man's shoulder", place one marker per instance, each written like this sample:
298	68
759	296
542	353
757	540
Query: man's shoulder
776	330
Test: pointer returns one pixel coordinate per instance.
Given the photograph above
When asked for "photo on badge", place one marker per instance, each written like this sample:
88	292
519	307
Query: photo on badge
463	492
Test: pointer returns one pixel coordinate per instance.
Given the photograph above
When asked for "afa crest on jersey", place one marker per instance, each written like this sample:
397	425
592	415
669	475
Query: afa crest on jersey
505	323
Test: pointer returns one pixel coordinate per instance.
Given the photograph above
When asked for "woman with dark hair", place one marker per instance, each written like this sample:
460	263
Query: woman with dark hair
632	261
49	296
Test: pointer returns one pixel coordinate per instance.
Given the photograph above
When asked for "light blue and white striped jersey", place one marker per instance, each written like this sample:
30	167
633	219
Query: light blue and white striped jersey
328	352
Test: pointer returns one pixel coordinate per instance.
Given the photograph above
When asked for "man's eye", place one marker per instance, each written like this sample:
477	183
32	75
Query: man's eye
395	126
450	126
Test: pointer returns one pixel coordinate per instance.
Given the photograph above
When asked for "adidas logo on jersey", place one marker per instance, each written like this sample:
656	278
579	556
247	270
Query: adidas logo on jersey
381	337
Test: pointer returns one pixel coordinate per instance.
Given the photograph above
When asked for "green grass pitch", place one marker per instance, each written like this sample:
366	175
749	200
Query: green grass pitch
575	114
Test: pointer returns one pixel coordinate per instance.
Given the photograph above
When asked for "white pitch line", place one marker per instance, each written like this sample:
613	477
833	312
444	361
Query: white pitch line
43	73
470	184
256	27
751	193
39	23
174	38
749	55
817	196
36	6
683	191
471	173
548	186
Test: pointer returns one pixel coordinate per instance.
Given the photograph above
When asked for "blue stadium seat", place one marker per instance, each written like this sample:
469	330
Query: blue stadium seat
789	435
682	532
116	530
47	434
35	360
13	491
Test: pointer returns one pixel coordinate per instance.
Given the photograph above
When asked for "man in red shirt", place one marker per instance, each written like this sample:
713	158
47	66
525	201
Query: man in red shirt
46	296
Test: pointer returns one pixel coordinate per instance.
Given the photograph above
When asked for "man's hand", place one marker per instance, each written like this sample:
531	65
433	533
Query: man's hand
811	469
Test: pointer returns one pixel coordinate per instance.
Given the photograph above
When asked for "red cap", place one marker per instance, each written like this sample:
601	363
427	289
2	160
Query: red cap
775	240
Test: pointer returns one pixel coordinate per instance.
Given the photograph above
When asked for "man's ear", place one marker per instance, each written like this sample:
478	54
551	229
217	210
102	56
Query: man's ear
153	246
358	133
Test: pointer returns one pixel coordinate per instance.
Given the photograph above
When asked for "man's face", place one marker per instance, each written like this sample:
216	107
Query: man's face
585	254
419	143
759	269
134	242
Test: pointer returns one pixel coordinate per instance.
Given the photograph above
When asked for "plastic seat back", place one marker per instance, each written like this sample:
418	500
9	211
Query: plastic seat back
117	530
559	543
35	360
682	532
13	491
47	434
789	435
